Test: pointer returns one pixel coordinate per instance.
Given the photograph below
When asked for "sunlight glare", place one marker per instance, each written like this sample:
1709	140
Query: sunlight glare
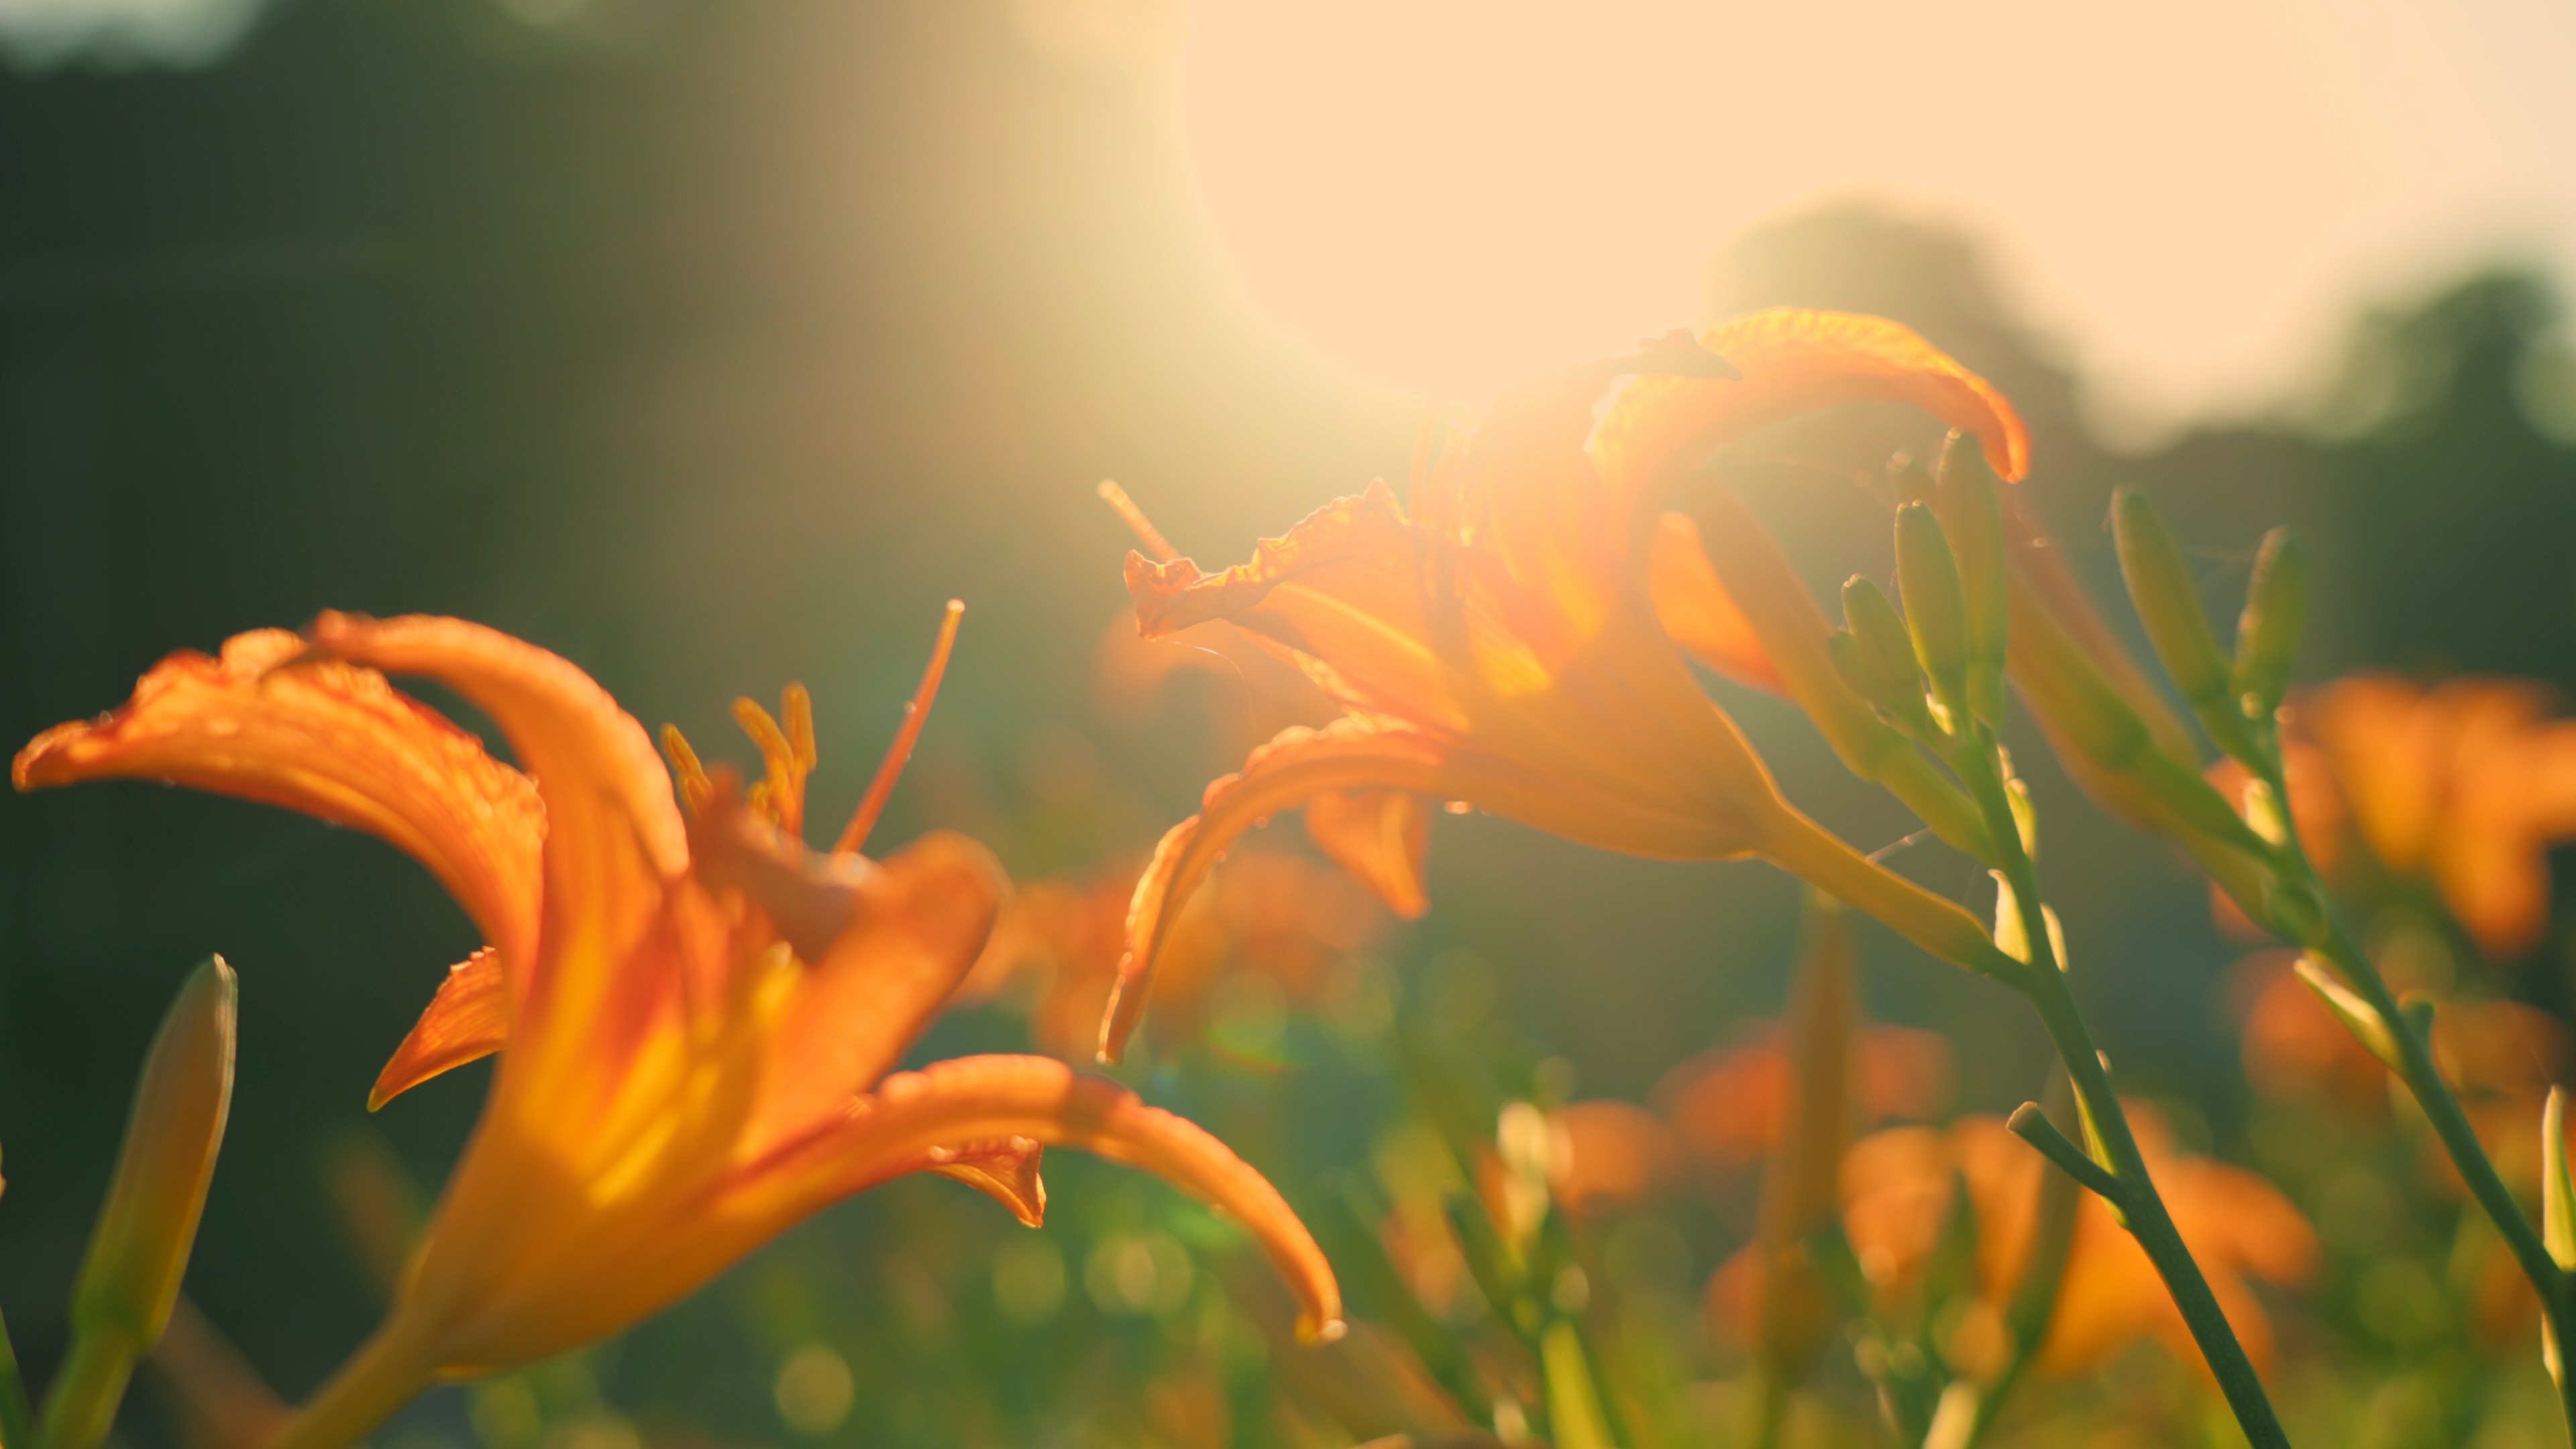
1444	195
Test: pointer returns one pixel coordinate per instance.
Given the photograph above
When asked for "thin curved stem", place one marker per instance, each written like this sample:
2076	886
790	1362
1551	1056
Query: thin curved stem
2327	935
2140	1207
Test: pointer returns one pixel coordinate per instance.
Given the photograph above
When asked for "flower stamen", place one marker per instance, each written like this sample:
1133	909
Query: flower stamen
1157	547
781	793
916	713
695	787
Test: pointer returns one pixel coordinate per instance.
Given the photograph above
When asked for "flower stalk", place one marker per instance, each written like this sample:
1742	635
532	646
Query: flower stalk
1938	623
2311	920
2133	1195
2292	901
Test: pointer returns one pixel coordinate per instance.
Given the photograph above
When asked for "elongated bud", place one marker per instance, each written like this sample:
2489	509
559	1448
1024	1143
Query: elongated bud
139	1246
1936	604
1856	668
2267	635
2558	1194
2025	815
1798	1314
1882	656
2160	586
1972	511
2557	1216
2358	1016
1794	631
2087	718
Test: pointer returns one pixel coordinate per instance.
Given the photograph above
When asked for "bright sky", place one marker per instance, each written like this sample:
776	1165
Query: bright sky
1447	194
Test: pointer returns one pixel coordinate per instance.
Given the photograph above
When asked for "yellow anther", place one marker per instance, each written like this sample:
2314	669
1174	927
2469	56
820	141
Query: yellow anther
781	795
694	785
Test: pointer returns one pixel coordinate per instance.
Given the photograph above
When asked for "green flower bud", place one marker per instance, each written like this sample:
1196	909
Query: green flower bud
139	1246
2161	588
1972	512
2557	1194
1936	604
1881	657
2358	1016
2267	636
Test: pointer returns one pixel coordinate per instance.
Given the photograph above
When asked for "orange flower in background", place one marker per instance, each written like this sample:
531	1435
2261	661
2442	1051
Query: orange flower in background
1896	1189
1606	1154
2293	1046
2467	784
1277	915
2500	1057
1730	1104
1496	643
698	1014
1377	835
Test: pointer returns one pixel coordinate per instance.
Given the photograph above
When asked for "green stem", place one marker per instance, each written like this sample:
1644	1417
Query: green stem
17	1425
81	1403
2140	1206
1770	1408
2142	1211
2327	936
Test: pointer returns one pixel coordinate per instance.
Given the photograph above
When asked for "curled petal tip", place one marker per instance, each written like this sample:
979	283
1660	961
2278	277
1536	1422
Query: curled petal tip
1321	1331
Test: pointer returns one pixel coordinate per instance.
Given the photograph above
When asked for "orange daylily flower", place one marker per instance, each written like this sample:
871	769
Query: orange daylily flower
699	1013
1731	1104
2294	1047
1377	835
1498	644
2500	1058
2468	784
1605	1154
1277	915
1896	1188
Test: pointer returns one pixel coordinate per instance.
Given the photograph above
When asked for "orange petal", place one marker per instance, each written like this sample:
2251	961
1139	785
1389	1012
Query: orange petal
1378	836
1005	1171
467	1020
920	920
2387	756
1795	361
984	1098
1608	1154
1794	633
613	831
1539	501
1547	671
1676	822
1346	589
333	741
1289	771
1697	611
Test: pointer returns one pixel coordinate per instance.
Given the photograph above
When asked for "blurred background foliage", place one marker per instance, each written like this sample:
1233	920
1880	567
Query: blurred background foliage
716	345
